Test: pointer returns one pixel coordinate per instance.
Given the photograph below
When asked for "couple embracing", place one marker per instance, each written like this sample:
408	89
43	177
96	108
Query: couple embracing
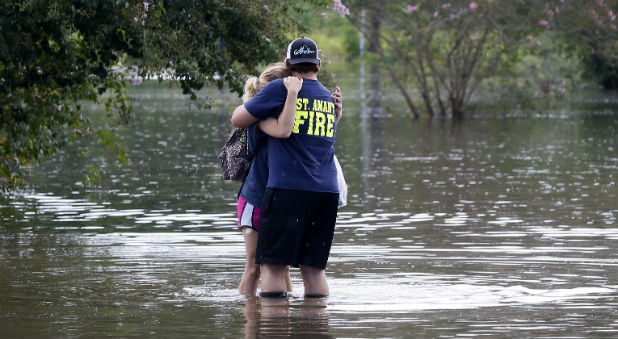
291	193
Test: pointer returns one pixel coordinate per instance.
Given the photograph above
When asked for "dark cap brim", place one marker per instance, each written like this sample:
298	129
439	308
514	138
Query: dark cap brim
299	60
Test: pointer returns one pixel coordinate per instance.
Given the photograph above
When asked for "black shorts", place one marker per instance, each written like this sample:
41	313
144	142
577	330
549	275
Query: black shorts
296	227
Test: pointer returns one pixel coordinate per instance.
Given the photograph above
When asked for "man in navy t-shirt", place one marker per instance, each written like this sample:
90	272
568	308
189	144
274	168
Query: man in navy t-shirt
299	209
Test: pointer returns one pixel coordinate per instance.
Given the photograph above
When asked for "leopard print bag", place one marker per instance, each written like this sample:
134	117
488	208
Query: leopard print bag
234	156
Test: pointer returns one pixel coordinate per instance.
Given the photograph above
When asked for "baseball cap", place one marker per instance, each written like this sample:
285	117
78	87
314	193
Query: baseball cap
303	50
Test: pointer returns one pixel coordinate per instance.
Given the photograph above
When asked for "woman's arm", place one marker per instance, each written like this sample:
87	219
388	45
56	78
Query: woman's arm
282	126
242	118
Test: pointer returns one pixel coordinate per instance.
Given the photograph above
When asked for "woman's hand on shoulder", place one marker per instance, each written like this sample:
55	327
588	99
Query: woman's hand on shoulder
293	84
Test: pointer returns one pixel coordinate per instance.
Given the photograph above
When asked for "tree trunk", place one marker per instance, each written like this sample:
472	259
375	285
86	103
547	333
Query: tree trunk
457	108
375	86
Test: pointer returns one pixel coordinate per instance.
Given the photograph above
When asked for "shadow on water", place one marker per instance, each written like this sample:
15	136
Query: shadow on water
487	227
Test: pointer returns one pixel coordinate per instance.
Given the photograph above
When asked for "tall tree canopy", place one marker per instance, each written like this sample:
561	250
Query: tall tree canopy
56	53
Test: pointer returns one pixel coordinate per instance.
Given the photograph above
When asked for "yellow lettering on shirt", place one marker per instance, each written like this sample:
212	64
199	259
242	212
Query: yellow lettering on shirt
331	107
320	120
330	132
310	129
301	116
317	105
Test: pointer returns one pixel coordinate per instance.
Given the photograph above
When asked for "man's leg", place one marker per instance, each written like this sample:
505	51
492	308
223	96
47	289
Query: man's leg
282	220
317	242
273	281
315	282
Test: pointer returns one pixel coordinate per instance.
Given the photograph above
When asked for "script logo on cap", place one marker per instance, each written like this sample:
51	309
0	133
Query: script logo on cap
303	50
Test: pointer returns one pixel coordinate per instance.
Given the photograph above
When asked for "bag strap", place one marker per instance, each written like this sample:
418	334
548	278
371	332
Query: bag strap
261	142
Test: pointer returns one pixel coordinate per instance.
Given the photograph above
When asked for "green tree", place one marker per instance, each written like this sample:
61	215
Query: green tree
437	53
56	53
443	50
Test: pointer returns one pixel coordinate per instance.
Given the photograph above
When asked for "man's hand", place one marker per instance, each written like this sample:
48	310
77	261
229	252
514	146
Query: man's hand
338	98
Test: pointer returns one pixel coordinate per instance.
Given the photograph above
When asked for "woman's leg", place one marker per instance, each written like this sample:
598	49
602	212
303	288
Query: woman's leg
251	276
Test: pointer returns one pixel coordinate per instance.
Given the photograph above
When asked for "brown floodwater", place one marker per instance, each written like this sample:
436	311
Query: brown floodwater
496	227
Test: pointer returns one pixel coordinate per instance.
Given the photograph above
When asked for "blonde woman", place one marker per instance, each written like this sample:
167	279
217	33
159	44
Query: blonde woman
252	190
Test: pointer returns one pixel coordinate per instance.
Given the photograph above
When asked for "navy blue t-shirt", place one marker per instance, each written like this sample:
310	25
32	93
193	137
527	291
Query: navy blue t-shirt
255	183
304	161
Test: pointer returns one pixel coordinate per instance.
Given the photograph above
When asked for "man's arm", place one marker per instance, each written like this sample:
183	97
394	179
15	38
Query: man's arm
242	118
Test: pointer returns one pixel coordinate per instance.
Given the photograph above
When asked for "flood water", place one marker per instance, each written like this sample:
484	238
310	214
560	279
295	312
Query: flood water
497	227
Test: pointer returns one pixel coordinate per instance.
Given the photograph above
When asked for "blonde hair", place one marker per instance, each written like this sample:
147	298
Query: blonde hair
272	72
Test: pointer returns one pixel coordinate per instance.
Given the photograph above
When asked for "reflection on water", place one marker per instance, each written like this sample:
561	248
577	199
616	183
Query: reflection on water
284	318
82	211
500	227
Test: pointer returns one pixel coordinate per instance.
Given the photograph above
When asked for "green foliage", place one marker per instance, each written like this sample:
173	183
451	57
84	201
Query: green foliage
212	41
52	54
602	70
591	27
55	54
546	71
446	50
338	40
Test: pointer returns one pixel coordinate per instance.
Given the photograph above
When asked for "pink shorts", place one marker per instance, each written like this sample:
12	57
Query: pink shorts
248	215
